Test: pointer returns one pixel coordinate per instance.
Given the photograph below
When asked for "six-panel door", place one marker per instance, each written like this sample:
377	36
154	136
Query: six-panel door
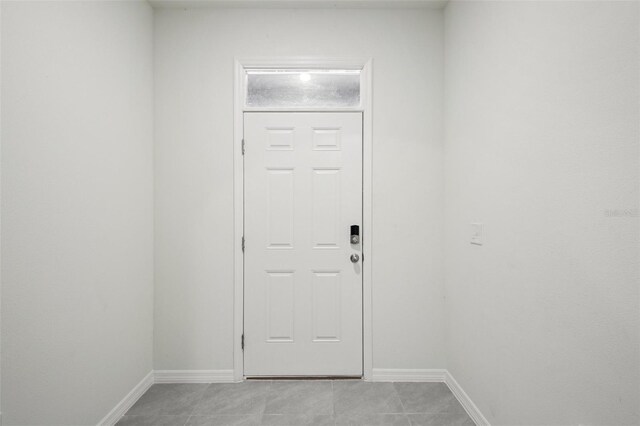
303	293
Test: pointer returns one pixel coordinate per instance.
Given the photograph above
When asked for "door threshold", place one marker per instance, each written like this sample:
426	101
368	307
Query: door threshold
303	377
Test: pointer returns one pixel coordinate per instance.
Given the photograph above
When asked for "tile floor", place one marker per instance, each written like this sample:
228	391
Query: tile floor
298	403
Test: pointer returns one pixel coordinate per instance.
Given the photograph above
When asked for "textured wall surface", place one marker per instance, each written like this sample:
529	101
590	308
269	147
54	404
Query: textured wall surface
195	53
77	208
542	147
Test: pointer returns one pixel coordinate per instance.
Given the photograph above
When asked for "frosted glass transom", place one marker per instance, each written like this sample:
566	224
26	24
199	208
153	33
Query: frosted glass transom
275	88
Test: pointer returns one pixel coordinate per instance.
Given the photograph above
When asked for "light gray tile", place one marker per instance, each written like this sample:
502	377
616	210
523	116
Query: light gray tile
426	397
452	418
297	396
152	420
233	398
298	420
169	399
369	419
365	397
224	420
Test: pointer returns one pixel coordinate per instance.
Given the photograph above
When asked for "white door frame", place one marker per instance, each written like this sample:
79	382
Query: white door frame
238	187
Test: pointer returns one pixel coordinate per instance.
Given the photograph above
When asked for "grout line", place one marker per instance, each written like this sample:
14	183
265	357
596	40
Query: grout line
267	392
187	421
334	417
333	402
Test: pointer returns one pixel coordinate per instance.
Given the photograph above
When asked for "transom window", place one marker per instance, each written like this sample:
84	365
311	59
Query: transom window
302	88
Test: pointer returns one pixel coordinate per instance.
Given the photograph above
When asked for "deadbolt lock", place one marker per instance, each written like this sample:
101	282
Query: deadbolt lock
355	234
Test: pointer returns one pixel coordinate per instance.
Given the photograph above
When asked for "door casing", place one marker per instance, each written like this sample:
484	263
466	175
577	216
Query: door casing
366	107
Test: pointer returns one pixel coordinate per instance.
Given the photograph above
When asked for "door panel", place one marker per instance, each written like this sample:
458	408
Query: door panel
303	294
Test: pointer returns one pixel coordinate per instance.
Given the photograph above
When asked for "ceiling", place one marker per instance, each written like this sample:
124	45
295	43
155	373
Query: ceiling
298	4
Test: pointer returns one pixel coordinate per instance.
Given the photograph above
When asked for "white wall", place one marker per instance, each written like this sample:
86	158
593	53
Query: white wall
542	136
77	208
195	51
0	211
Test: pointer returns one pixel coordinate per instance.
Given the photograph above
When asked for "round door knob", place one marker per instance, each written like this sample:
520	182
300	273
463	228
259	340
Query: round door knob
354	258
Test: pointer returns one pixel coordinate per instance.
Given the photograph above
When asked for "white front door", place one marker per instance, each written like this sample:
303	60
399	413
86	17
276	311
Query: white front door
302	289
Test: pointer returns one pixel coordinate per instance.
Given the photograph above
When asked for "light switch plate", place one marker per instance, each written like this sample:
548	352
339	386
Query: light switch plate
476	234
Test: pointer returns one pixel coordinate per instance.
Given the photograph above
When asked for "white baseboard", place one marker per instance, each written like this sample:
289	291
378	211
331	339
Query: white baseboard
408	375
432	375
471	408
128	401
227	376
194	376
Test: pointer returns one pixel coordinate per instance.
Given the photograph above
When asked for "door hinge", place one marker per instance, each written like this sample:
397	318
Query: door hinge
242	342
243	243
242	146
